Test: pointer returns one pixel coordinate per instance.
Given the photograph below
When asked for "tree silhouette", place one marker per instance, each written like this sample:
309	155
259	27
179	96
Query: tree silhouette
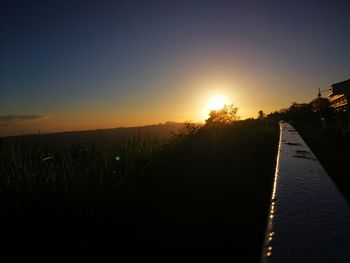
225	115
261	115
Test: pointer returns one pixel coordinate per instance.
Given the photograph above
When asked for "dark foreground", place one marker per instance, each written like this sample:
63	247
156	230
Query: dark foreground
208	190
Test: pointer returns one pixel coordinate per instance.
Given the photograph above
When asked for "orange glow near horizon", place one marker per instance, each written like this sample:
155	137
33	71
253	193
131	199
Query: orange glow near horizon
193	100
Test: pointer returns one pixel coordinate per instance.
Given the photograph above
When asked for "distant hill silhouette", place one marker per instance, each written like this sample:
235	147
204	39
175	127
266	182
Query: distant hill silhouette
104	137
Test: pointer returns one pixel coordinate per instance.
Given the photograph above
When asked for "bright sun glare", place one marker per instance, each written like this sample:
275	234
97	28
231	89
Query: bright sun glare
216	103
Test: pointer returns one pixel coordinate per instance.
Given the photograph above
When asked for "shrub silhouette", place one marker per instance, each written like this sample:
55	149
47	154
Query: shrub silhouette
226	115
187	193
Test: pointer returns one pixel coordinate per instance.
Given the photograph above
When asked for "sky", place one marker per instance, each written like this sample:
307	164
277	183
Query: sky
75	65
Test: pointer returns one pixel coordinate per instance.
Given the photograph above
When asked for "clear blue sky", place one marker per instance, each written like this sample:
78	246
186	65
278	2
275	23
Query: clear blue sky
68	65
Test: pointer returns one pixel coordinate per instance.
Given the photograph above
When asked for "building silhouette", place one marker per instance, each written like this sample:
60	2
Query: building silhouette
339	101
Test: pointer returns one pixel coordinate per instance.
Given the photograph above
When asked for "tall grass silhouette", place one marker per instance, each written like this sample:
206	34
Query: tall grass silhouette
207	187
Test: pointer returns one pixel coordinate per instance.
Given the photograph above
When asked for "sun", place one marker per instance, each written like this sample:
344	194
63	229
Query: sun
216	103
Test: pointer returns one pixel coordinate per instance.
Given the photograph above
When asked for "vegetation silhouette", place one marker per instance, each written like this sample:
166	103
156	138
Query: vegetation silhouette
200	190
226	115
202	187
261	115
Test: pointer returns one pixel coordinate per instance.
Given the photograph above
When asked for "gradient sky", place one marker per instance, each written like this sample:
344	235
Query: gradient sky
73	65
